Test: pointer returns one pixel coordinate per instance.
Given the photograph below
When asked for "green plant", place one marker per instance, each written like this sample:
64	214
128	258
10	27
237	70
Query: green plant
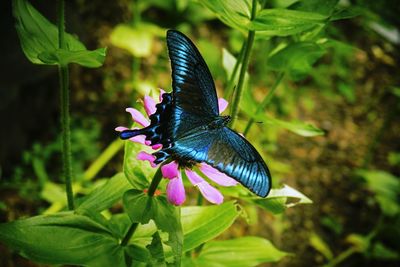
151	231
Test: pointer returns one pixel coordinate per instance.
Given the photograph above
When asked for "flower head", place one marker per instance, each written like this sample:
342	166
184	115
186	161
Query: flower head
173	170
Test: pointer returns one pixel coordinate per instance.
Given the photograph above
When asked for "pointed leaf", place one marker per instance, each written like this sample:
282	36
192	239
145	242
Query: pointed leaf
284	22
240	252
63	238
201	224
86	58
167	219
137	172
105	196
38	35
296	59
140	206
156	250
279	200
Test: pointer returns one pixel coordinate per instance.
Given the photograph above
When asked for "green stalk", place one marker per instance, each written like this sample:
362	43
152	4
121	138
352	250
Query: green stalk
129	234
154	183
65	120
232	79
264	103
152	189
243	69
341	257
103	159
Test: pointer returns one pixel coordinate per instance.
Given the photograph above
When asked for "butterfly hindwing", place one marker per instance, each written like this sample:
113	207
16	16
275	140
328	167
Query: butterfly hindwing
195	98
230	153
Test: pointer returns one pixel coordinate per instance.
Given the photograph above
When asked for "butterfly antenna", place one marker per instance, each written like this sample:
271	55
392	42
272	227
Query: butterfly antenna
131	133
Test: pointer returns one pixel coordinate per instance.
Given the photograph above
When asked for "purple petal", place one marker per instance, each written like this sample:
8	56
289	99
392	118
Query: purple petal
170	170
176	191
149	105
146	156
157	146
141	139
194	178
120	128
222	104
209	192
217	176
138	117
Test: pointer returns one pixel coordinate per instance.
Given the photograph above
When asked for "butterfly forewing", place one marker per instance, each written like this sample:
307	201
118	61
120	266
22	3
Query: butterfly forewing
195	98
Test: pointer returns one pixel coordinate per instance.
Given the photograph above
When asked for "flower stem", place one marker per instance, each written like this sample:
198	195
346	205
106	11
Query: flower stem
64	101
152	189
129	234
243	69
232	79
264	103
154	183
103	159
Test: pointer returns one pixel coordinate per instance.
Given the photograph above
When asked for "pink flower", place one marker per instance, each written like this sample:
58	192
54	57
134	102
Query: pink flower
172	171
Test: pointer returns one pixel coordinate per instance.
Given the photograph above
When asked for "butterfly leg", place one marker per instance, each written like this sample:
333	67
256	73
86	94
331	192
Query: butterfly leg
161	156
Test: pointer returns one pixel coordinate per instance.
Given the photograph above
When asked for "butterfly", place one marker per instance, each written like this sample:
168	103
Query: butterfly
188	125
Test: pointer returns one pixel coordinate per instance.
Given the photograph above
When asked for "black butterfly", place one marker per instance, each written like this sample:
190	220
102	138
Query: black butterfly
188	125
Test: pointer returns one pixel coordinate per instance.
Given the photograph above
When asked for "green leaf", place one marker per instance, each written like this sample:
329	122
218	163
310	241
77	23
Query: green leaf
297	127
386	188
346	13
240	252
106	195
139	40
234	13
360	243
138	253
38	36
284	22
296	59
321	246
325	8
138	172
380	251
156	250
140	206
63	238
54	193
86	58
279	200
201	224
167	218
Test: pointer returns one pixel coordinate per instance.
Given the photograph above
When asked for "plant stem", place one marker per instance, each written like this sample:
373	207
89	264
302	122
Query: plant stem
154	183
243	69
264	103
65	120
152	189
232	79
341	257
129	234
103	159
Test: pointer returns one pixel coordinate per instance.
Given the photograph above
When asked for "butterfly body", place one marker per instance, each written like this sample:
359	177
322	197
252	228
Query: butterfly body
188	125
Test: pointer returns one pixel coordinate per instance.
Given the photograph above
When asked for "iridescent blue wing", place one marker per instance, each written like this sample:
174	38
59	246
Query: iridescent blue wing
228	152
195	100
